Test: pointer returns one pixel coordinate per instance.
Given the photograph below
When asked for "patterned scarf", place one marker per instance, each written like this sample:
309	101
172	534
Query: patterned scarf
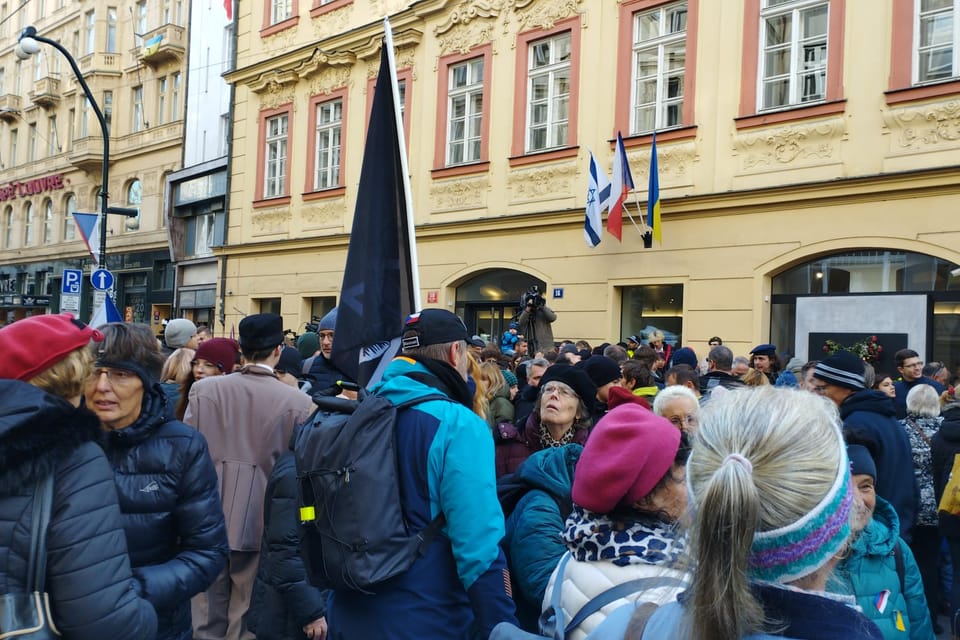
593	536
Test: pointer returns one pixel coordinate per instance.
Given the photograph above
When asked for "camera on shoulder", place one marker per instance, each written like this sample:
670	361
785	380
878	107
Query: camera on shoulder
532	298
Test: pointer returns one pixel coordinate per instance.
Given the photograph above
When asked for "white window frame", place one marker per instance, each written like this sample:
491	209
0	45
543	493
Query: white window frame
53	136
464	115
953	45
161	99
555	102
28	224
667	110
175	96
48	222
8	228
69	226
139	120
90	31
203	234
799	71
111	44
275	155
328	139
31	142
280	10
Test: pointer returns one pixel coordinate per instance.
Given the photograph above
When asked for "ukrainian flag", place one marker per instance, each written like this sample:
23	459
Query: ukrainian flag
653	193
150	46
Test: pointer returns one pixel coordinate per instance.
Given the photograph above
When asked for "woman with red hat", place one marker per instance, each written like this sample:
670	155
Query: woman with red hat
214	357
44	434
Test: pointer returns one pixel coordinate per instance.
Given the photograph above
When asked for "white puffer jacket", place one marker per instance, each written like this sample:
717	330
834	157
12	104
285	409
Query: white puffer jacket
583	581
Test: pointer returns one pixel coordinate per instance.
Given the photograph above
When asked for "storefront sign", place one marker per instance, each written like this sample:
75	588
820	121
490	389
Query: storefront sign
32	187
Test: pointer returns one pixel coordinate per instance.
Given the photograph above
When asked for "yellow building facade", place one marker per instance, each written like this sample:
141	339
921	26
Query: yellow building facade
808	182
51	151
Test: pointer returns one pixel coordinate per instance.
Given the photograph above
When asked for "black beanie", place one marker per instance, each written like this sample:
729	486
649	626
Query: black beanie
575	378
601	369
843	369
861	462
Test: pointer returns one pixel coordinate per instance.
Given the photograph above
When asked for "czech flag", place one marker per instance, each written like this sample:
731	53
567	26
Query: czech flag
621	183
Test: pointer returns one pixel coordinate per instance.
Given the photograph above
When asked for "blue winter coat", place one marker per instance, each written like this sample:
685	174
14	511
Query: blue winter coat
870	568
92	591
171	510
533	542
868	419
458	589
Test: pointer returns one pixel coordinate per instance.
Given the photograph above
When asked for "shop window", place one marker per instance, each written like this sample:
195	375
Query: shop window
646	308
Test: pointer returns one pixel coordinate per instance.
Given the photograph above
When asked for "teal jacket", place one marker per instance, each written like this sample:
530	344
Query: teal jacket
870	568
533	542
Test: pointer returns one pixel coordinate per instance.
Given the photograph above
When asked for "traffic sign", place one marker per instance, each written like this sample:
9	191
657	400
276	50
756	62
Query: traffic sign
102	280
71	281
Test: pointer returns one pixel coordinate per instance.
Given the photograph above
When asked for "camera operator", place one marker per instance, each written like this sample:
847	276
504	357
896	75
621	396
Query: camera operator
535	320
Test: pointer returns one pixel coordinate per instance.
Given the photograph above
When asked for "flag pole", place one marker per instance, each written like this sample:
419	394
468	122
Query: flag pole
411	227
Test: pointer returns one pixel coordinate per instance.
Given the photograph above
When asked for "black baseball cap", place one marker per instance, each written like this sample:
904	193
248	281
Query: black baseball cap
433	326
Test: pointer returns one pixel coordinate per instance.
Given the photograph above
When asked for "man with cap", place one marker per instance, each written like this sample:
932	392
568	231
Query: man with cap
763	358
178	333
322	374
633	343
445	460
247	418
869	419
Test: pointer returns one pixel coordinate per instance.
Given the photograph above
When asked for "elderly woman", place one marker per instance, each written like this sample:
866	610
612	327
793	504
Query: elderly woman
679	405
629	491
771	491
921	424
561	416
44	434
164	475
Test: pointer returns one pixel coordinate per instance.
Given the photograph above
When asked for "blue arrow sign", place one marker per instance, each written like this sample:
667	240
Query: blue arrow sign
70	285
102	280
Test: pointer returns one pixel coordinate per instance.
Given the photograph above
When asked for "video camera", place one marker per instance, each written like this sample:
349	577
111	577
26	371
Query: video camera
532	297
314	325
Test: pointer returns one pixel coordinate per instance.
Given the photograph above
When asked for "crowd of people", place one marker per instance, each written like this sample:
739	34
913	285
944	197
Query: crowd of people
652	493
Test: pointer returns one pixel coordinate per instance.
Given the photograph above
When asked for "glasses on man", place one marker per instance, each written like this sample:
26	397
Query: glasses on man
689	421
117	377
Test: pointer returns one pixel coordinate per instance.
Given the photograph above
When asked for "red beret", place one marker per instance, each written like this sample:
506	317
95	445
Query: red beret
35	344
627	454
220	351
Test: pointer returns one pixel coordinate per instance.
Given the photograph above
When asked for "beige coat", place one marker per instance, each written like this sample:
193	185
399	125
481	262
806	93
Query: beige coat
247	418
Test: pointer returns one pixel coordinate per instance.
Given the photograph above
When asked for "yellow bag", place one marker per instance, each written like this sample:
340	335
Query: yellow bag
950	500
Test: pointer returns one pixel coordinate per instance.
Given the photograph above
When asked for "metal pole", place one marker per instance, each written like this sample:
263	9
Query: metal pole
31	32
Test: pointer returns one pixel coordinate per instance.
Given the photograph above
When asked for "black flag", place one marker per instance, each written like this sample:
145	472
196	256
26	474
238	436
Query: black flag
377	293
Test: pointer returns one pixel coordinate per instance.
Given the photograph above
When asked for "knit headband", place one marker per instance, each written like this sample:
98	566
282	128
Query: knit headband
800	548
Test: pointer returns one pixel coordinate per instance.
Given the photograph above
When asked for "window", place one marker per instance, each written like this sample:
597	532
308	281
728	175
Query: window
111	29
224	134
14	134
8	227
794	53
166	11
141	17
268	305
71	128
175	96
4	14
139	123
53	139
548	92
28	224
69	226
280	10
107	103
465	111
275	132
48	222
227	64
204	226
936	40
18	77
161	99
134	199
329	122
31	142
89	32
84	117
658	68
38	61
41	8
654	306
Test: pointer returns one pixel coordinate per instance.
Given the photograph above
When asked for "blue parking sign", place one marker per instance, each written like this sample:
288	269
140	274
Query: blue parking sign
72	279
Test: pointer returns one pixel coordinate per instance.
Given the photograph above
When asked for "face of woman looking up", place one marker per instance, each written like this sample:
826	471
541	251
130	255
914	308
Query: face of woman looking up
558	404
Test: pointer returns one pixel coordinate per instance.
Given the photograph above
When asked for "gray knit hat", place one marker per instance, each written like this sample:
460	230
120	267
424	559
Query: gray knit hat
843	369
178	332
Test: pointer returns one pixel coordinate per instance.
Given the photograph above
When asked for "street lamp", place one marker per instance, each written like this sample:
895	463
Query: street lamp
27	45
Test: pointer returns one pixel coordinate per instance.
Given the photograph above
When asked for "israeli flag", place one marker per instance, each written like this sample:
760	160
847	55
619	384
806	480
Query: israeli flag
598	199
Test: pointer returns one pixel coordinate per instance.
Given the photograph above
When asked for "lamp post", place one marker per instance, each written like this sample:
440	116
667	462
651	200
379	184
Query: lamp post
27	45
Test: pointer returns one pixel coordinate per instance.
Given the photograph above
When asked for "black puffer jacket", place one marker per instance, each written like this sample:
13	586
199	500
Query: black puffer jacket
944	446
171	510
92	591
283	599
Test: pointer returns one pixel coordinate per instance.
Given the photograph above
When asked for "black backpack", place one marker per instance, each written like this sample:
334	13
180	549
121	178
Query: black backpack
354	534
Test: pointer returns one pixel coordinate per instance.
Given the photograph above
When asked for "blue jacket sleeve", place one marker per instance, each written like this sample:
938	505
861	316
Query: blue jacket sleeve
536	546
920	626
202	535
91	587
463	468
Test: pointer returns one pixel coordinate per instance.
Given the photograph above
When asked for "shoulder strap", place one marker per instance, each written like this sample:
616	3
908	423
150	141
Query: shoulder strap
306	365
40	519
901	570
619	591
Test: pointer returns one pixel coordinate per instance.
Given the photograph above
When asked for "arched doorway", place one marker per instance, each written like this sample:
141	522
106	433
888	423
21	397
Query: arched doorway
909	283
490	299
